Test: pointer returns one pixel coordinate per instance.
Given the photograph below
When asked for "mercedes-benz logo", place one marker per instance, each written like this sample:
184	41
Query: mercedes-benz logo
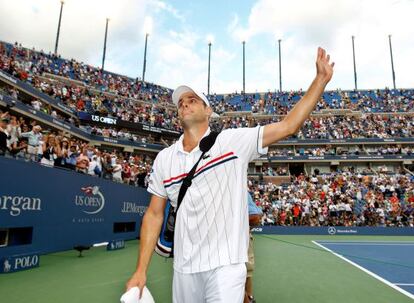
331	230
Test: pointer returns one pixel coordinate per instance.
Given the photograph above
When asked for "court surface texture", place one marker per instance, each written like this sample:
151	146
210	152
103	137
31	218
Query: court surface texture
288	269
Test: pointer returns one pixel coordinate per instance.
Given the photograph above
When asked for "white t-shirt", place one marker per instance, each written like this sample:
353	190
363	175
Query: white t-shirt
117	172
91	168
212	226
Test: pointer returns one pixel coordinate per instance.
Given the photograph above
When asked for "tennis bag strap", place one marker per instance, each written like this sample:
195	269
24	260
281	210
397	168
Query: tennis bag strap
205	145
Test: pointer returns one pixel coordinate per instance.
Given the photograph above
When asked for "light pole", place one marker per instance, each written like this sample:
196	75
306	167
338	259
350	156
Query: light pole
208	74
353	56
58	29
104	48
145	58
392	61
280	66
244	69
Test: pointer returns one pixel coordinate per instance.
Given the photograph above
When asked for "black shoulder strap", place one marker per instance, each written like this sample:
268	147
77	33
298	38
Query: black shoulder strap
205	145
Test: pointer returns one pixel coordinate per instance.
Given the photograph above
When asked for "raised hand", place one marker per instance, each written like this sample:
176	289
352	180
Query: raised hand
324	69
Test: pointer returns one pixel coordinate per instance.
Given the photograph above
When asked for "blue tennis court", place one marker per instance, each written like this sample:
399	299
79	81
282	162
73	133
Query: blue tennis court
390	262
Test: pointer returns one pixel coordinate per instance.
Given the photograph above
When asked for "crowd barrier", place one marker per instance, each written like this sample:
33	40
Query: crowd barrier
44	209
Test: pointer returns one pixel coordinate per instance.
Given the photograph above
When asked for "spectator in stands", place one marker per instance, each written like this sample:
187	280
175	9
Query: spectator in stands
64	147
4	136
51	150
33	137
117	171
134	174
71	157
126	172
93	169
82	162
14	131
19	152
36	104
142	176
107	167
99	160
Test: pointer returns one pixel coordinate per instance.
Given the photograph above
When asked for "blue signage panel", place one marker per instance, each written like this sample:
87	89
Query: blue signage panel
65	208
342	157
115	245
102	120
19	262
336	141
334	230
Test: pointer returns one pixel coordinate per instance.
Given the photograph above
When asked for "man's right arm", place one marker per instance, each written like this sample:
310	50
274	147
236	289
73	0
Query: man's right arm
150	231
25	135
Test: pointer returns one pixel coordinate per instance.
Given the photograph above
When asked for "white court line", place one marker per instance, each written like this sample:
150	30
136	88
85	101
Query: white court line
408	294
359	241
368	244
404	284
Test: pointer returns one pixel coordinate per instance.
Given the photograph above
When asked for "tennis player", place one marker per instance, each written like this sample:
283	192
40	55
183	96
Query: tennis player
212	225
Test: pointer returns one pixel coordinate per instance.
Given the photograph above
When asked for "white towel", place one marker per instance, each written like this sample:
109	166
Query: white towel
132	296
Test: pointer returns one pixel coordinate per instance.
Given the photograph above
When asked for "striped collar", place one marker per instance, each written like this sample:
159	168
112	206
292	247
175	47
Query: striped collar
212	163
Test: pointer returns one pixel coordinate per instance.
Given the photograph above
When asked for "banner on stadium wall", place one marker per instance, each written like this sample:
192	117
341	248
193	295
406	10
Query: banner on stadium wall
115	245
65	208
107	121
348	157
18	263
336	141
334	230
35	92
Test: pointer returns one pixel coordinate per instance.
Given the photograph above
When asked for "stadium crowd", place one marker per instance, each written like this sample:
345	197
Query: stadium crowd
281	102
26	140
340	199
338	126
346	198
117	96
329	150
111	95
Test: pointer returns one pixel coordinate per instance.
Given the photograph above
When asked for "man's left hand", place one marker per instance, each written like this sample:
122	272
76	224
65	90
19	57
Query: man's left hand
324	69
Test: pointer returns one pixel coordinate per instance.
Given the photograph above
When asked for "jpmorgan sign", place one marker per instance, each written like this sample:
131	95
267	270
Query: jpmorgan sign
92	202
57	209
18	263
105	120
16	205
129	207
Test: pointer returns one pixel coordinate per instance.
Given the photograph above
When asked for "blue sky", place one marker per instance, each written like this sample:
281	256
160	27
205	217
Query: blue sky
178	50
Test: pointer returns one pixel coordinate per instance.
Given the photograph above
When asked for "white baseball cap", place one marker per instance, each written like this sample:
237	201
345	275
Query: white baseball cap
182	89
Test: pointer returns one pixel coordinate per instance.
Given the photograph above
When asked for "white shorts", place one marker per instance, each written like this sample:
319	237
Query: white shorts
224	284
32	150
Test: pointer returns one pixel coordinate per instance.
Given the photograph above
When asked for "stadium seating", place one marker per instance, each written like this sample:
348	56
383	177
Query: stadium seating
347	127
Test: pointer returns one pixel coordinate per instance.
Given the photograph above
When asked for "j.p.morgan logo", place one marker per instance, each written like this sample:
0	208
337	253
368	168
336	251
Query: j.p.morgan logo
16	205
129	207
92	202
